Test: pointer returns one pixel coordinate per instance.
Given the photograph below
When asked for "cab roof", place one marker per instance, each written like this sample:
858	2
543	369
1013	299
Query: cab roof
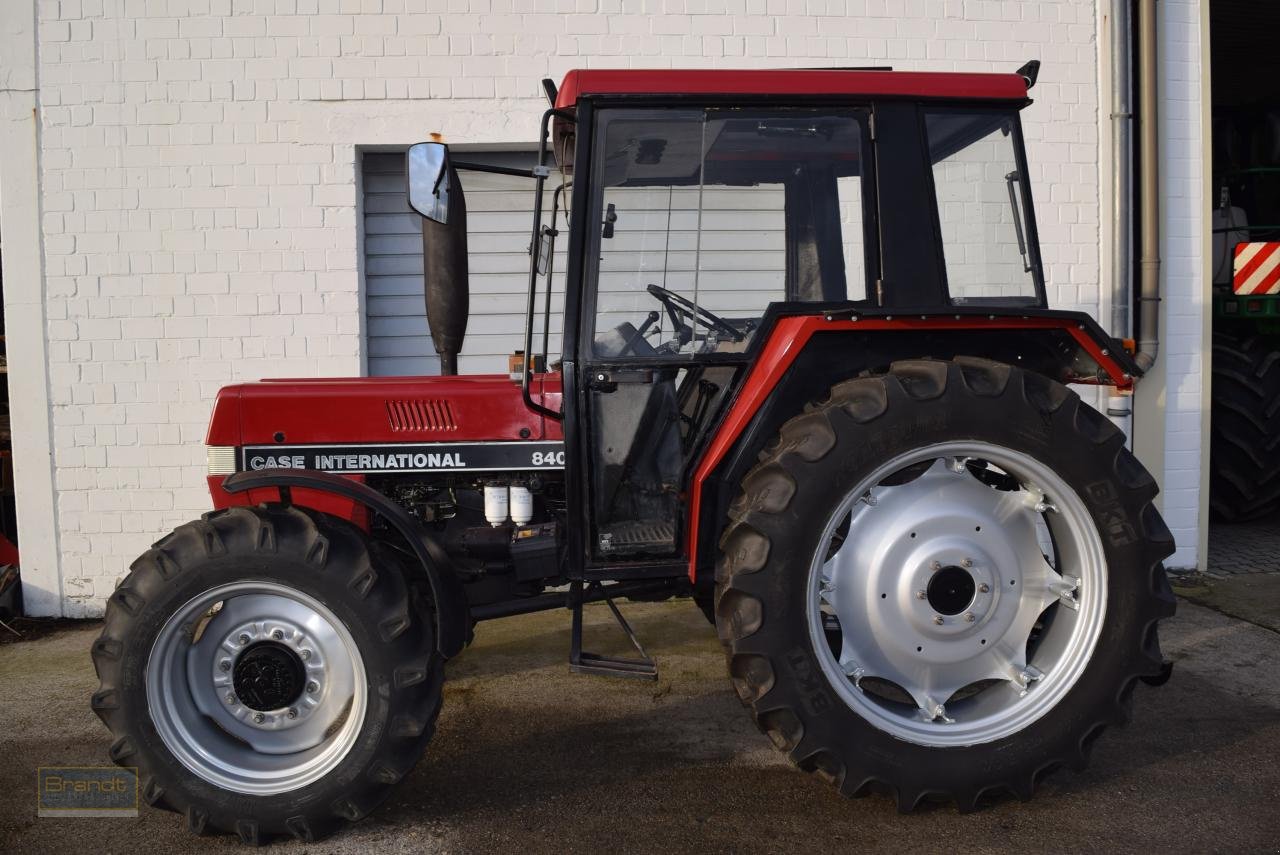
796	83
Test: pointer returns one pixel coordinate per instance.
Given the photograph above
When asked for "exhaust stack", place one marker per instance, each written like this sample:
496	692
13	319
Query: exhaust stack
445	276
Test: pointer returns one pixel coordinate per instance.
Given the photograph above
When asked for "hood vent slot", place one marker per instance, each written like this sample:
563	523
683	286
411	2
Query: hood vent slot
421	415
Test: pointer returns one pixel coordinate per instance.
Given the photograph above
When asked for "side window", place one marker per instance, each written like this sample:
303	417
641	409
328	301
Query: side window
708	216
721	249
981	208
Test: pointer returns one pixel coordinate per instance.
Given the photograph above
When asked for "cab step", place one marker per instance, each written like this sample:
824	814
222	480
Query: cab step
582	662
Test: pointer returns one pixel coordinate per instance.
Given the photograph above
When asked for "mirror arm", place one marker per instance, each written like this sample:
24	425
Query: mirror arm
495	170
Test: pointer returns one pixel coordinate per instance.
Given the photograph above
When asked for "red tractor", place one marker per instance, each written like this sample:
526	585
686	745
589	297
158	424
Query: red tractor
807	376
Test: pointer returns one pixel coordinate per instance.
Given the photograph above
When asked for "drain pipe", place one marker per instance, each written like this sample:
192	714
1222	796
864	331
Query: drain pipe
1148	190
1120	407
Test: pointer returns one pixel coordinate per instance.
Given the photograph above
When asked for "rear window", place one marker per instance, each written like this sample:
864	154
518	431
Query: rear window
983	209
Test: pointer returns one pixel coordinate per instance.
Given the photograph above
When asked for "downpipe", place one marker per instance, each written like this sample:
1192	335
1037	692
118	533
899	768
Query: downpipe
1148	347
1120	406
1121	168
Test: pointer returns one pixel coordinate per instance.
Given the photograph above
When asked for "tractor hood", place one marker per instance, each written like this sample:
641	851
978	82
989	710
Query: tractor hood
486	407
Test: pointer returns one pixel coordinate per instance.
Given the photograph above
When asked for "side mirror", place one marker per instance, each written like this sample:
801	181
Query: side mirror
428	168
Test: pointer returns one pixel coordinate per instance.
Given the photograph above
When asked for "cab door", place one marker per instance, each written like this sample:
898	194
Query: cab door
699	219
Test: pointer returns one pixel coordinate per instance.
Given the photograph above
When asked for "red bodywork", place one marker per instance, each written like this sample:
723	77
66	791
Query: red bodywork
479	408
796	83
790	337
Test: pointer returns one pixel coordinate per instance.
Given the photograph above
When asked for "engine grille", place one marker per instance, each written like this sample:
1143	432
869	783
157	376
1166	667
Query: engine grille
421	415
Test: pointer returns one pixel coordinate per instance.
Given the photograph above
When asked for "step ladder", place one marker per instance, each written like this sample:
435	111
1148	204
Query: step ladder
582	662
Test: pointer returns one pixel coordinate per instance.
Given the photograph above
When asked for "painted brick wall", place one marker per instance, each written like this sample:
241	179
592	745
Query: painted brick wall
198	166
1182	274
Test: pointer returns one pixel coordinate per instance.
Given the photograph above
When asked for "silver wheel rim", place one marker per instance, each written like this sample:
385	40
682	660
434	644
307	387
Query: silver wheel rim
901	637
227	740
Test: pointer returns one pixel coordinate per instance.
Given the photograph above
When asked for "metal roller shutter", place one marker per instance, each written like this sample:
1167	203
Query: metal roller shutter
498	220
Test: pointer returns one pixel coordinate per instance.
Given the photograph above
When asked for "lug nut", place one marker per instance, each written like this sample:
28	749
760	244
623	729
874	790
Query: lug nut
313	687
920	595
293	712
935	566
968	562
225	664
277	634
244	638
984	588
259	718
231	699
938	620
969	618
306	654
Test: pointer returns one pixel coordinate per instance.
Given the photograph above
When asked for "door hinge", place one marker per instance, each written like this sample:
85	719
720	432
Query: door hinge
879	292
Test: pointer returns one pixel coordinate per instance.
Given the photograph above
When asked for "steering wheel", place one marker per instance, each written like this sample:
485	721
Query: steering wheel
679	308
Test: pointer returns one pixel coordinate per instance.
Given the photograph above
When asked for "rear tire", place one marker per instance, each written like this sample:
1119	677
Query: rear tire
1245	443
769	570
288	575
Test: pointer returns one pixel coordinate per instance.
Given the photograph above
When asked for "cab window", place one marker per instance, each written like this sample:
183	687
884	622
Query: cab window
983	206
707	216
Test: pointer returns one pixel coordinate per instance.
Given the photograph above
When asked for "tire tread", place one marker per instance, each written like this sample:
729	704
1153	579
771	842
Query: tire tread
754	671
322	542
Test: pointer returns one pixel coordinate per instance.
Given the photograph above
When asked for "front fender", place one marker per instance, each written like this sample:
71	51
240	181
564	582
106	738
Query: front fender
451	607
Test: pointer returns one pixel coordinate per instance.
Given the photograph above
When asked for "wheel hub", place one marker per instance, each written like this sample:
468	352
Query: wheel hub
268	676
270	673
951	590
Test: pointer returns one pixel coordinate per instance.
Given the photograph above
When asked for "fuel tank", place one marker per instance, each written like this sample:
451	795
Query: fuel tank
482	407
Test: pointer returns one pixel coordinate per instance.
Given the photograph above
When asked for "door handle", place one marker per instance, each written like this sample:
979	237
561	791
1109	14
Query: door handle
607	381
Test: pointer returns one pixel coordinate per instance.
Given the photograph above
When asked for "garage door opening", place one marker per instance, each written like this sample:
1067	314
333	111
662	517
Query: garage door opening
499	215
1244	499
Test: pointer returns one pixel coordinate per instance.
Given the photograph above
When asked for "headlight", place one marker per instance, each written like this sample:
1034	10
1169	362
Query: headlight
222	459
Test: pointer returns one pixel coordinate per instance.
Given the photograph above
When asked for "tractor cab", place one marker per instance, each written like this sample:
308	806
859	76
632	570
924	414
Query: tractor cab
704	210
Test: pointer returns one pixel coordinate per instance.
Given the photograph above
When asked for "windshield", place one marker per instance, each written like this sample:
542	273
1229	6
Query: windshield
706	216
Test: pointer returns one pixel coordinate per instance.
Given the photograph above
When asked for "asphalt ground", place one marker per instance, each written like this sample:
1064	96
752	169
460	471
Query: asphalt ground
532	758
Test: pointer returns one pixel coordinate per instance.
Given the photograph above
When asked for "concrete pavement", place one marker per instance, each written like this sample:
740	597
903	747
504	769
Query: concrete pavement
530	757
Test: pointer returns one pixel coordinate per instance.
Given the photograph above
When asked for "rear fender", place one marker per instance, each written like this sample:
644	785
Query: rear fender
805	355
451	606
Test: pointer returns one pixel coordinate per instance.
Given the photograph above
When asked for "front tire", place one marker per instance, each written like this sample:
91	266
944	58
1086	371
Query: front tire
267	672
866	579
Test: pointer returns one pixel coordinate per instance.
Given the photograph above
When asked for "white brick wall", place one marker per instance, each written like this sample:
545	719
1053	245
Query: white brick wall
1183	273
198	167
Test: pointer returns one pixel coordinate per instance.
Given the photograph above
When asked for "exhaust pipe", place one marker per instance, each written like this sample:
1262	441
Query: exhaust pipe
445	276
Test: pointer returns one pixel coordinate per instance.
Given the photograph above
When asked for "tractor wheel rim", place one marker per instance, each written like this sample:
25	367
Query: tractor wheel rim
947	611
256	687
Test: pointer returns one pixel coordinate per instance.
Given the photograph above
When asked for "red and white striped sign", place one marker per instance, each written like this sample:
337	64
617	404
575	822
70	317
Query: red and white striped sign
1257	269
